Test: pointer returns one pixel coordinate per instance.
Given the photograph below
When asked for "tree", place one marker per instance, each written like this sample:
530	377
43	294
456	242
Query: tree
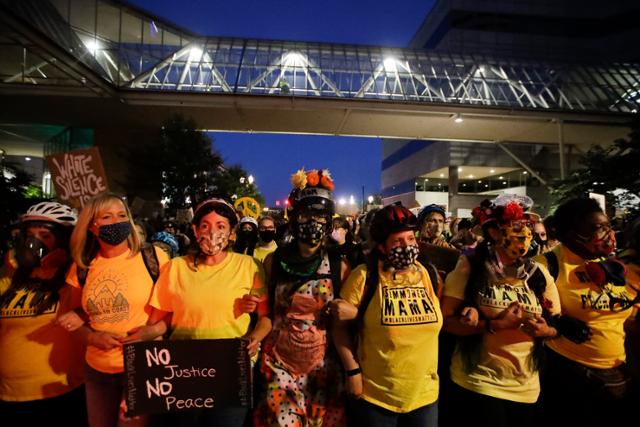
14	183
180	165
613	171
234	181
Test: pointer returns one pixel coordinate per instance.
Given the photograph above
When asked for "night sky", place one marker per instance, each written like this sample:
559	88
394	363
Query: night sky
271	159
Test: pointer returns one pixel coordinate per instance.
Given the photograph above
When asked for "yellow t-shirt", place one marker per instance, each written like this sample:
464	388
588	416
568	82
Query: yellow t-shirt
503	370
398	353
116	298
38	359
261	252
202	299
584	300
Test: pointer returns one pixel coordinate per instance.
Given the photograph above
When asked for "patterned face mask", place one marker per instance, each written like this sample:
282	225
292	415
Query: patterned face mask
310	232
517	239
402	257
114	234
213	243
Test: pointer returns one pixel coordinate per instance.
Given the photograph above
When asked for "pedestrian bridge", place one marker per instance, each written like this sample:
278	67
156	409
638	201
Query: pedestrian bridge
105	63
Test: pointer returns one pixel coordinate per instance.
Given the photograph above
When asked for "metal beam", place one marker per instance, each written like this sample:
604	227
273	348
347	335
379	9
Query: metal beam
522	163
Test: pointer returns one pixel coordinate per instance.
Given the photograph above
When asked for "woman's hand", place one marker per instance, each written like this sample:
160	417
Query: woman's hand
510	317
253	347
103	340
469	316
537	327
246	304
141	333
342	310
354	386
70	321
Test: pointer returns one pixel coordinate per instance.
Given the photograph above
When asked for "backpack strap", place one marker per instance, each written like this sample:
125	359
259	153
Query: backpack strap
150	258
433	276
552	264
82	275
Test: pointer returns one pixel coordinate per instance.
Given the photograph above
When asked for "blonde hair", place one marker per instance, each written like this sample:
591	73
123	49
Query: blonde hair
84	244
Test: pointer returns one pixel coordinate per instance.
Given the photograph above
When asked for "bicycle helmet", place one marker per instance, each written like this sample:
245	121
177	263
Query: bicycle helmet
167	238
51	212
428	210
391	219
249	220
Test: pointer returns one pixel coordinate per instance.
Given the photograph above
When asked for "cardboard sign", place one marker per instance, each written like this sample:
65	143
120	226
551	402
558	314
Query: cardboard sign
77	176
180	375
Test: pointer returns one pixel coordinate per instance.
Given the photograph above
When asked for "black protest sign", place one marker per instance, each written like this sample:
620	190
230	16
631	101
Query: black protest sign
77	176
171	376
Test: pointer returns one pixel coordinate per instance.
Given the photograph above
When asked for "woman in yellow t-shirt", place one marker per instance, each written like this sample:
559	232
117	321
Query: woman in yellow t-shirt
115	289
588	383
394	375
209	295
497	303
40	363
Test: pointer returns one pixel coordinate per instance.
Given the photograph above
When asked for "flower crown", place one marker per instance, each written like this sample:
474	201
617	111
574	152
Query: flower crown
312	178
503	214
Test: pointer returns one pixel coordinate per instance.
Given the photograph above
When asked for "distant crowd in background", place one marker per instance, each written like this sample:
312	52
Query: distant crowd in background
387	318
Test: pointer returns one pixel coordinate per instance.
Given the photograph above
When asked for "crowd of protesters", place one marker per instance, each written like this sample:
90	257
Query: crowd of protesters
391	318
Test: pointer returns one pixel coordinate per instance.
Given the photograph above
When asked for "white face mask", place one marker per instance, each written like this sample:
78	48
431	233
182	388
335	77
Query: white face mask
339	235
213	243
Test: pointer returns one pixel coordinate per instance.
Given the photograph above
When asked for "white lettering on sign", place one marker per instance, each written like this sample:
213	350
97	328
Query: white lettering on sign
75	178
198	402
159	389
158	357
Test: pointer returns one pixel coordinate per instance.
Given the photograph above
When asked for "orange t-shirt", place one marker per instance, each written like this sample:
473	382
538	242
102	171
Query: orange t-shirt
116	298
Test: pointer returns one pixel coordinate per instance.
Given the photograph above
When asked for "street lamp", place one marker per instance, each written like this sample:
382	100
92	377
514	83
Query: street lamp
250	179
370	199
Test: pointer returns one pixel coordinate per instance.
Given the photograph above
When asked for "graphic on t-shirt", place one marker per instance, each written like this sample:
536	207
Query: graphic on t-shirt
106	302
607	297
499	297
407	306
25	303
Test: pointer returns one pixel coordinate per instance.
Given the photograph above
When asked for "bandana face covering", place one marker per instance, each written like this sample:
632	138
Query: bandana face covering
212	244
517	239
599	246
310	232
402	257
114	234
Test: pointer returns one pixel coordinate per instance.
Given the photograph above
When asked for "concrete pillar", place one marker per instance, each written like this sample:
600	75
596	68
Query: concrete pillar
453	188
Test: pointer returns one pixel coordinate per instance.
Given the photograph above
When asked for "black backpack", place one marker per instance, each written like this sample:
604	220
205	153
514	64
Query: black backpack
149	257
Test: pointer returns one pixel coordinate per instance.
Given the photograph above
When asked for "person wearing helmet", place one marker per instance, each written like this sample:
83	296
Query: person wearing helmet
431	224
498	304
111	276
41	366
301	372
247	236
167	242
393	375
209	294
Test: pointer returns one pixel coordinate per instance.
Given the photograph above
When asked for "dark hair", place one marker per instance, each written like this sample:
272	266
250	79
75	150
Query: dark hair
218	208
572	214
465	223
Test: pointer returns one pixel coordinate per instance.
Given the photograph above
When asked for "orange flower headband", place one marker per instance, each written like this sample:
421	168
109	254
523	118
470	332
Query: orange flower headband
312	178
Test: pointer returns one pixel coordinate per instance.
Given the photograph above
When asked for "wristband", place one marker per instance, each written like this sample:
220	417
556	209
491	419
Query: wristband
353	372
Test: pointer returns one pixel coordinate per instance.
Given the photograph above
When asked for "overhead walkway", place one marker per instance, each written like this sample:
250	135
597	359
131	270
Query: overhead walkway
95	62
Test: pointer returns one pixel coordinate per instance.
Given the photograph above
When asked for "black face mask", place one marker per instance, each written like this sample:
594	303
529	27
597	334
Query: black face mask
267	236
114	234
248	236
29	252
310	232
